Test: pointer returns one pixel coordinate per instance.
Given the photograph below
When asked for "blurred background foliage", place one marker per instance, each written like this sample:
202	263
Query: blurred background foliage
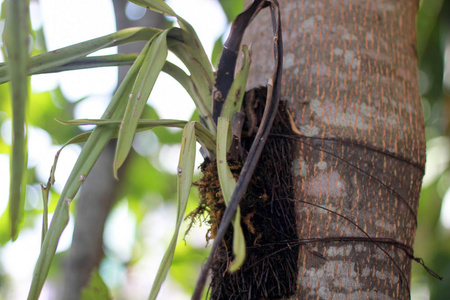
145	199
433	233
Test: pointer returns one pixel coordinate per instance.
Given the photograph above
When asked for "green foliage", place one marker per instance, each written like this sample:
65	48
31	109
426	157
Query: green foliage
185	173
123	118
145	80
228	185
432	243
232	8
97	289
16	41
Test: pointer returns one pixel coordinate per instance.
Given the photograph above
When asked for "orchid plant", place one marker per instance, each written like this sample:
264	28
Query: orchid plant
122	118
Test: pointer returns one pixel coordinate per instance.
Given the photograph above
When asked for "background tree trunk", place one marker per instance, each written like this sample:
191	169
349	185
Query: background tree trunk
350	80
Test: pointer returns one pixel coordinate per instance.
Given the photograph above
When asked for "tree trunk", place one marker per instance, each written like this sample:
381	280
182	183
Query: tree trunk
350	81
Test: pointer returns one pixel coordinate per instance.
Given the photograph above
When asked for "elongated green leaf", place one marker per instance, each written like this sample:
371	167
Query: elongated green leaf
88	156
200	80
89	62
201	95
204	136
227	186
143	122
58	223
195	48
54	59
156	5
17	45
45	190
235	96
184	182
127	59
189	37
145	80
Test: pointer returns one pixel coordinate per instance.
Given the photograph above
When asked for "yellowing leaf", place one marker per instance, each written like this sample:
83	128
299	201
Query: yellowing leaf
227	185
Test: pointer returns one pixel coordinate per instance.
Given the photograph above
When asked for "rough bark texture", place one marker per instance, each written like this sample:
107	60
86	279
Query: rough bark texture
98	193
350	79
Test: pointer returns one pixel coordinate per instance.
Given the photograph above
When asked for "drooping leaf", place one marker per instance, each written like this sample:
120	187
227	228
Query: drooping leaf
191	53
190	36
156	5
201	81
53	60
17	30
204	136
88	156
227	186
184	182
145	80
197	88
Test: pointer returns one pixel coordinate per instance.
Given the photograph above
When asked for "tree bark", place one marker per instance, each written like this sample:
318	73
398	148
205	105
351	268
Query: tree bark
350	81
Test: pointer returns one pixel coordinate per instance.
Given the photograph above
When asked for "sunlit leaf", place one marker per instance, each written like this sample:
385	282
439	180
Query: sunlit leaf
184	182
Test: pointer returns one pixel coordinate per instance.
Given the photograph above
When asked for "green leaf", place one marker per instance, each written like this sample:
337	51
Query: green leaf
97	289
227	186
88	62
88	156
235	96
48	249
204	136
191	53
232	8
196	48
52	60
17	44
190	36
156	5
184	182
217	51
203	85
197	88
145	80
